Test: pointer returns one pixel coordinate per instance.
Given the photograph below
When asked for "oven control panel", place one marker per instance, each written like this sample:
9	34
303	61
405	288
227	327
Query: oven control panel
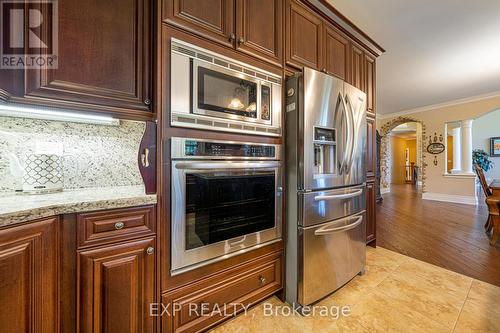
214	149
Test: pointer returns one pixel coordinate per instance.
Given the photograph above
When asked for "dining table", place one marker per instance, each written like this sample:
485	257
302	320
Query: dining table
495	187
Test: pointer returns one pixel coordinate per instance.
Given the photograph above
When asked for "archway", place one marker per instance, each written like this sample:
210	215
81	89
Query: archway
385	161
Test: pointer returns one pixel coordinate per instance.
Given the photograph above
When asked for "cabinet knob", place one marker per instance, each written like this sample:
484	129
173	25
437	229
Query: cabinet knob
119	225
232	37
262	280
241	40
324	70
147	101
150	250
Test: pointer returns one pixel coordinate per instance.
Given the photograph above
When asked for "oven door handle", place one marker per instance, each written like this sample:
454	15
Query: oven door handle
225	165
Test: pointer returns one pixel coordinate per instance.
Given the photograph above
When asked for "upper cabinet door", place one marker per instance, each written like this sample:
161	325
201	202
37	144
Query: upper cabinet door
303	36
357	77
370	79
211	19
259	29
336	53
104	58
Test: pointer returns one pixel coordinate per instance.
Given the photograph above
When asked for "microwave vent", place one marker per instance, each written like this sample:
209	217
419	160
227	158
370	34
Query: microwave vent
220	63
204	57
183	50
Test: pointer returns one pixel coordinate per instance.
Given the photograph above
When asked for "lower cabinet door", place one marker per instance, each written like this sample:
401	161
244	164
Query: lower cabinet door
28	277
371	217
116	287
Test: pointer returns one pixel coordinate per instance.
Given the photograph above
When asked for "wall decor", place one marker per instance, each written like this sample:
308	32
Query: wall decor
435	160
434	146
495	147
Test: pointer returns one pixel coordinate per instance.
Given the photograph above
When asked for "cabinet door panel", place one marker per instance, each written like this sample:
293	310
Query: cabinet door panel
259	29
371	222
116	286
336	53
211	19
370	81
304	37
28	277
104	51
357	78
371	148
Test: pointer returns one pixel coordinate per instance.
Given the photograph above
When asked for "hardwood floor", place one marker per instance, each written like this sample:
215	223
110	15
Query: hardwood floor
444	234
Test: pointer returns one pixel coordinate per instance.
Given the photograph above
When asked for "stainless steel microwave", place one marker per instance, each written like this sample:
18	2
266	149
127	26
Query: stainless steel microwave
211	91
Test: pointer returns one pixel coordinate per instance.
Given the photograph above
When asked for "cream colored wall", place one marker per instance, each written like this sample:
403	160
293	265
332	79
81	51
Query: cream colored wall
434	120
398	147
484	128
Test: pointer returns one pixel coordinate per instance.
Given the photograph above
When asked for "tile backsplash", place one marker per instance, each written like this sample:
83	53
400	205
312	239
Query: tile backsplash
93	155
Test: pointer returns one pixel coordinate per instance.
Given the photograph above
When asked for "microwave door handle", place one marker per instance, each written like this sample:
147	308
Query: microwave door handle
338	196
325	230
225	165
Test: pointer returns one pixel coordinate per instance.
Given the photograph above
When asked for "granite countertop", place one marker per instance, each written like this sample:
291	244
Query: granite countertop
18	208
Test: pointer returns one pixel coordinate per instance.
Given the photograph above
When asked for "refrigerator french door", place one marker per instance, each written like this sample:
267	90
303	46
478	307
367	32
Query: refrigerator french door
326	174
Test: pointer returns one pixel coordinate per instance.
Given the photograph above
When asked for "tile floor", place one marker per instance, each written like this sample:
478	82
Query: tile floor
397	294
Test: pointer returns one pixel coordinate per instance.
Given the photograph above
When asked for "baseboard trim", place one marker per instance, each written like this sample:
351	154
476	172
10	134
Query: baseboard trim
462	199
384	190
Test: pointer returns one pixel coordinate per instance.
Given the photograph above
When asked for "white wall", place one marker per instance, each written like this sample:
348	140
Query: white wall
483	128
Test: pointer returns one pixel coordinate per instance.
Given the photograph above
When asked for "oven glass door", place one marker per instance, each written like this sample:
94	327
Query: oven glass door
225	93
222	207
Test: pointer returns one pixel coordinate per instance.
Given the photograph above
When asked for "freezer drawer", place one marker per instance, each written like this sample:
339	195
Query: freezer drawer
332	254
323	206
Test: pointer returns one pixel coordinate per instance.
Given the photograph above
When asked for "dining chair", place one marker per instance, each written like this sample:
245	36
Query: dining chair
493	203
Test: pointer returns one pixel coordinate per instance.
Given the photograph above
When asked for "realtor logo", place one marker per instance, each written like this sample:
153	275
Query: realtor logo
28	35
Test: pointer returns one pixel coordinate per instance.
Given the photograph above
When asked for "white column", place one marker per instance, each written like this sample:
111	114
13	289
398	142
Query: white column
466	143
457	161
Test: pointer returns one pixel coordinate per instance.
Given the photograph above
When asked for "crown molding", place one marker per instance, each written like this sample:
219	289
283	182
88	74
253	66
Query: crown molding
440	105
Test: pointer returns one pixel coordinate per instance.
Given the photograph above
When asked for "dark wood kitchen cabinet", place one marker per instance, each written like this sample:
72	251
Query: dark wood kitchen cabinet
116	284
104	60
336	53
357	64
370	81
304	36
259	26
211	19
253	27
371	218
371	147
29	277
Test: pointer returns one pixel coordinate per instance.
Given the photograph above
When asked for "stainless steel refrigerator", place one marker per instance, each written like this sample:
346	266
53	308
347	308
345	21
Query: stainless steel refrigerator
326	174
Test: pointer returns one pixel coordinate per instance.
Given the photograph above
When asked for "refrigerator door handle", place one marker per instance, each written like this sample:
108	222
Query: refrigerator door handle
343	144
338	196
350	133
326	231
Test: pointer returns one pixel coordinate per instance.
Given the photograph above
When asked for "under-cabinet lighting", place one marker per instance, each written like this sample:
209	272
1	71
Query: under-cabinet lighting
42	113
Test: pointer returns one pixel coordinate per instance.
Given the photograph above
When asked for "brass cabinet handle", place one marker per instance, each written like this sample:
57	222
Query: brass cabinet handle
241	40
147	101
150	250
324	70
232	36
262	280
119	225
145	158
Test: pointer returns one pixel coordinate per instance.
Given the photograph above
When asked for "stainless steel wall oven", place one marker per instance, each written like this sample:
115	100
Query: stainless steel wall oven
226	199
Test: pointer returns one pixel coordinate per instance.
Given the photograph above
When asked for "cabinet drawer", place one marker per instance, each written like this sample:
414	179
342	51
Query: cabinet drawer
203	304
105	227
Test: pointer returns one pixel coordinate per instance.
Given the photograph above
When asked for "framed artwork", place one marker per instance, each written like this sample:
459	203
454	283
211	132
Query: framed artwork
495	147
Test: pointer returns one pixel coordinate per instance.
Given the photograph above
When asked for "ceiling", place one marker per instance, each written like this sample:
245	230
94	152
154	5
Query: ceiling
436	51
405	131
